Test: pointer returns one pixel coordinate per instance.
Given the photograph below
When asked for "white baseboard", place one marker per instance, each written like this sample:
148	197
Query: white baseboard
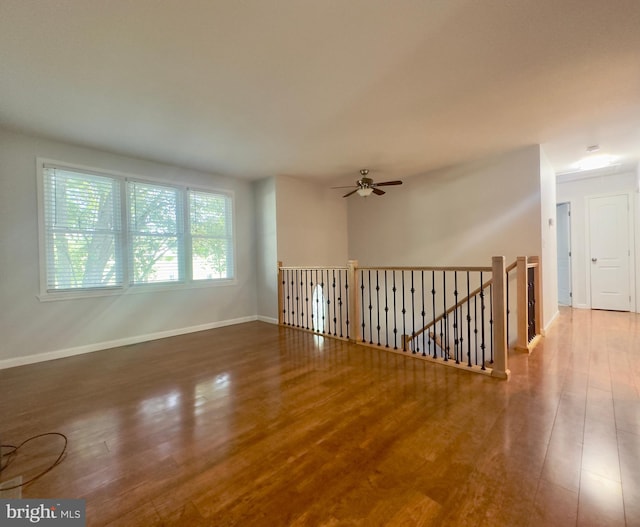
553	319
98	346
269	320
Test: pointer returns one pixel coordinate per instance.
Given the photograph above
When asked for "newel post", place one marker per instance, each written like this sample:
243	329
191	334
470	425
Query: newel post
522	342
352	328
499	299
280	297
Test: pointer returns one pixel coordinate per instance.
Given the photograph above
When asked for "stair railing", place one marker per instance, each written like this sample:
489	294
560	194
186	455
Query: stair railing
456	312
529	303
472	331
315	299
453	315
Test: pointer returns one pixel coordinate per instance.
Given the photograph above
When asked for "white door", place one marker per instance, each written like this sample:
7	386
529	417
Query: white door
563	221
609	252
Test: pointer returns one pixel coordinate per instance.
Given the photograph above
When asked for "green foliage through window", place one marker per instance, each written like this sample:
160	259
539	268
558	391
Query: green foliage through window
155	226
211	234
91	243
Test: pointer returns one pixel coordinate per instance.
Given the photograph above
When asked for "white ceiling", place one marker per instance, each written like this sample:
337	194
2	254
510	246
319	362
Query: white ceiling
253	88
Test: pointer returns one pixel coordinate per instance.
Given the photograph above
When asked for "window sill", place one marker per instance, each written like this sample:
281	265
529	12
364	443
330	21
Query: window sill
134	290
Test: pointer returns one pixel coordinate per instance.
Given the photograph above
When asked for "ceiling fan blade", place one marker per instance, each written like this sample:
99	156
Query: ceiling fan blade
349	194
378	192
348	186
387	183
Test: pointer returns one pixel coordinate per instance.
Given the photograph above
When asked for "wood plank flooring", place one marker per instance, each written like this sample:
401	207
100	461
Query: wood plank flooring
259	425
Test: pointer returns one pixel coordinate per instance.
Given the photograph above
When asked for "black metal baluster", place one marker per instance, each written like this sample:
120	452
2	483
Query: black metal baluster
395	313
313	326
328	305
456	341
444	337
424	354
404	313
340	300
364	338
378	303
301	300
306	296
335	316
346	294
468	320
475	325
324	329
433	314
370	311
292	293
491	323
413	313
285	295
461	330
482	309
531	295
443	352
508	310
295	307
386	310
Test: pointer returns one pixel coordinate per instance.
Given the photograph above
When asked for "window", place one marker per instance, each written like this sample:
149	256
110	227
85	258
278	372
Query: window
104	232
82	230
155	233
211	235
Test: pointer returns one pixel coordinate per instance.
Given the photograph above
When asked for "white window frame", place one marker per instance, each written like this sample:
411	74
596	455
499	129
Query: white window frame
128	287
189	235
180	236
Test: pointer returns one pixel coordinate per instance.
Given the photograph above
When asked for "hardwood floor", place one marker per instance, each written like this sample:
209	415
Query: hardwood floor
258	425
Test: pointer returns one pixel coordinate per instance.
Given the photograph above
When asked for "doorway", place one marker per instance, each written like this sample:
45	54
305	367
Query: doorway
563	222
609	252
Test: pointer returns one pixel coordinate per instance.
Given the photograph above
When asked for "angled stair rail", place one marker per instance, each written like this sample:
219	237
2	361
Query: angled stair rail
473	330
451	315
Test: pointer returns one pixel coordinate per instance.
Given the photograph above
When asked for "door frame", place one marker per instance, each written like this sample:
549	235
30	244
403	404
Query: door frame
631	241
571	249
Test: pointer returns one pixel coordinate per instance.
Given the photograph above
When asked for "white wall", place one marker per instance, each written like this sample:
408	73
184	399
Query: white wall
576	192
549	257
29	326
311	223
464	215
266	248
461	215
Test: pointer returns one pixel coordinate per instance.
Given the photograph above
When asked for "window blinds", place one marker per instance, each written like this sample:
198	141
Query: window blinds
83	230
156	233
103	231
211	225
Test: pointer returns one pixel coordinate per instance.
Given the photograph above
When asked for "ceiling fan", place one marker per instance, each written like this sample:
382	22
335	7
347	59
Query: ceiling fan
365	185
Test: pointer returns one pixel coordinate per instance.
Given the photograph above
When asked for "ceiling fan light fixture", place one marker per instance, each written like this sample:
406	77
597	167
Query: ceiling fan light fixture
365	186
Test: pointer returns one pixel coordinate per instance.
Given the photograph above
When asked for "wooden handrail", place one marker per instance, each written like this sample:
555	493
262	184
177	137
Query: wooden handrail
511	266
451	309
369	268
312	268
459	269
